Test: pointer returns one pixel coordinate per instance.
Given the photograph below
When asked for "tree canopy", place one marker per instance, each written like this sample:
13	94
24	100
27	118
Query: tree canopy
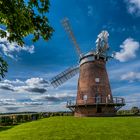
21	18
135	110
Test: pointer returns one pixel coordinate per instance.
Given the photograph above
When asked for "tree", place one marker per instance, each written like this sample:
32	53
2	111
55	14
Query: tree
135	110
21	18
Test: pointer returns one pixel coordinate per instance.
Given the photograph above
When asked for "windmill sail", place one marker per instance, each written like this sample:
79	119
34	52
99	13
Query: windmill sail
102	42
67	26
64	76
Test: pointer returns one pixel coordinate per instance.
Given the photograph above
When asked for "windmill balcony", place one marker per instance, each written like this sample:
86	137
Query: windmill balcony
116	101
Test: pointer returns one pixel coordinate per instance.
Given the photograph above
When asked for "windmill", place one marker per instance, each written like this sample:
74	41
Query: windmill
94	96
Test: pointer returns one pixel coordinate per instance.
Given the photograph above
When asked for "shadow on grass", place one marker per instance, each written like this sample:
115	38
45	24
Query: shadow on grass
3	128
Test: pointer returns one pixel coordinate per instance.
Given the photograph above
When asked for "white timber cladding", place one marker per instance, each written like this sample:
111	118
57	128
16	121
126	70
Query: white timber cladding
87	59
97	80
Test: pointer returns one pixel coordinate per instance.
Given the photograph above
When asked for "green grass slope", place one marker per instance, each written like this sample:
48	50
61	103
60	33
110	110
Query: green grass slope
71	128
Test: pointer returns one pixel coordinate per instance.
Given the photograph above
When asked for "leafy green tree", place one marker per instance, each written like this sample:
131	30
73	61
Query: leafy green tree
3	67
135	110
21	18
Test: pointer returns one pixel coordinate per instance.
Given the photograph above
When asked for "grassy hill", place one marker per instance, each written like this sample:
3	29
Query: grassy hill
69	128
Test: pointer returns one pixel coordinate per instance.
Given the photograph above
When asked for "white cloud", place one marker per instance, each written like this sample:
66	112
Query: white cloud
131	76
7	102
132	100
36	81
90	10
17	81
51	100
115	71
32	85
133	7
14	102
9	49
61	97
128	50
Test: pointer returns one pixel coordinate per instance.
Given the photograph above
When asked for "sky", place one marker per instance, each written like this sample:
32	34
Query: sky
26	85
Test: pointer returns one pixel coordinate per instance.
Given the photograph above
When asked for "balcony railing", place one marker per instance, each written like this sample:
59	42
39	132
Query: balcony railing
94	101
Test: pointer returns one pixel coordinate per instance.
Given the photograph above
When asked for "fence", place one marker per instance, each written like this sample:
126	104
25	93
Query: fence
97	100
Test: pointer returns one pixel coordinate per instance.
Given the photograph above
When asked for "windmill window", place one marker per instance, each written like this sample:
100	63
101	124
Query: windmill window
97	80
109	97
85	97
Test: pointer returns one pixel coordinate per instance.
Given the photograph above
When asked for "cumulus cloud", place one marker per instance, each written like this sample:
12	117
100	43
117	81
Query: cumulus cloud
31	103
35	89
54	98
9	49
36	81
14	105
36	85
7	102
6	86
128	50
131	76
133	7
132	100
90	10
13	102
17	81
11	108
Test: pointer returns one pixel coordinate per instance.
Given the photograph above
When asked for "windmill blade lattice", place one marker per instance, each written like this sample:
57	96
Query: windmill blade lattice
67	26
64	76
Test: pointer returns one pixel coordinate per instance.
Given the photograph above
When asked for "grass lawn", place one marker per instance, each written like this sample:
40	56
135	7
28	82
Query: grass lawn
71	128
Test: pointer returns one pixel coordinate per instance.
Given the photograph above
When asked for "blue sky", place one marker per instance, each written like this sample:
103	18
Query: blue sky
25	85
